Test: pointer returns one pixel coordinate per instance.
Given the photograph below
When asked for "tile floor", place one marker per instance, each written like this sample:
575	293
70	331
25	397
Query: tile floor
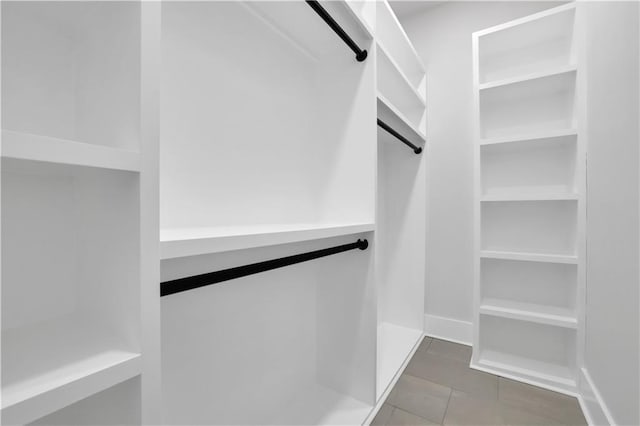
438	387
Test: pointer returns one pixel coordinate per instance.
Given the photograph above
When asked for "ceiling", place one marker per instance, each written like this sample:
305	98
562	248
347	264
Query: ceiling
404	8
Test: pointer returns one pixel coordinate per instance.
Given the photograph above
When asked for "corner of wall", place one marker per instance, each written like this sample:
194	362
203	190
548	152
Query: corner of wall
448	329
593	406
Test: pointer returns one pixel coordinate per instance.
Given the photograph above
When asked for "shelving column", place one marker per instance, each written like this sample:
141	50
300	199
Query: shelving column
401	198
530	174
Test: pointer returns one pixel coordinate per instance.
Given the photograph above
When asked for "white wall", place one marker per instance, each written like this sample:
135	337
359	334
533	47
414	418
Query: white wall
612	356
442	37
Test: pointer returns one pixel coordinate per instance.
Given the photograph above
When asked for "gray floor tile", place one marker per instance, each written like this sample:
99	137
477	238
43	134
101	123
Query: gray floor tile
400	417
565	409
454	374
420	397
451	350
383	416
518	417
424	345
464	409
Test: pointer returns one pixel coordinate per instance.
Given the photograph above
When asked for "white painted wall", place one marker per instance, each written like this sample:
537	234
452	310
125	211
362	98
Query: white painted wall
442	37
612	355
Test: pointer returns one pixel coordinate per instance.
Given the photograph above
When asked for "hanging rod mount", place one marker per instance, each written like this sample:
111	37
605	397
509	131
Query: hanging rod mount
385	126
361	54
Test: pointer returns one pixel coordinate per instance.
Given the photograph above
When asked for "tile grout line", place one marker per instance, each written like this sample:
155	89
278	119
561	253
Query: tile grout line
446	410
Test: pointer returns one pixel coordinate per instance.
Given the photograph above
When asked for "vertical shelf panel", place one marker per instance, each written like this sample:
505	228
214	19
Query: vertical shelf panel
401	202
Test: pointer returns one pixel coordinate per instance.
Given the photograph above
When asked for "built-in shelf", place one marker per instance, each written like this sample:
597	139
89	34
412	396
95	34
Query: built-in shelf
388	59
530	197
528	77
532	370
364	14
389	31
387	109
529	136
50	365
530	257
541	314
26	146
181	242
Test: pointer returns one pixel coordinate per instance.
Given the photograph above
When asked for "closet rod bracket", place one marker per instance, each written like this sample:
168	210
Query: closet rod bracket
385	126
361	54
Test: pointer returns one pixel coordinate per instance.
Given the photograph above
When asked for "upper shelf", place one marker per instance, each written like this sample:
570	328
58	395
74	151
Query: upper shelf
24	146
71	71
527	77
528	45
391	35
391	115
541	104
194	241
395	85
531	136
365	13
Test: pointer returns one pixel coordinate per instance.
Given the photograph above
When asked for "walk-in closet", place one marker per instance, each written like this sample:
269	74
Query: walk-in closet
345	212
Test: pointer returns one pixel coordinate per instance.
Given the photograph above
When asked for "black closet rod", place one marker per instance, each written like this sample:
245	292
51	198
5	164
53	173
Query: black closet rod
361	55
404	140
196	281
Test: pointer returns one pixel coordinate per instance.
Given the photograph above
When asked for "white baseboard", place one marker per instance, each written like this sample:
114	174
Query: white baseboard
591	402
448	329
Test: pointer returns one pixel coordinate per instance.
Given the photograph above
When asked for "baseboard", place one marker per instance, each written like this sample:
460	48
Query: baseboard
591	402
448	329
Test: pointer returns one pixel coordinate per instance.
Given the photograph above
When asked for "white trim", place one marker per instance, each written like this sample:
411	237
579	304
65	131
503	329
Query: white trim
529	380
593	406
383	397
449	329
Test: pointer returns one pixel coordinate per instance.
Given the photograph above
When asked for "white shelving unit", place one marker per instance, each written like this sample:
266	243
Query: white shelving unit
401	209
220	134
72	171
266	151
529	198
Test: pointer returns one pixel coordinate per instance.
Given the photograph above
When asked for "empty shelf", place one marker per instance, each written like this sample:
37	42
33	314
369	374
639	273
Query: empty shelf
26	146
51	365
531	197
527	77
529	136
550	315
181	242
531	257
533	370
389	113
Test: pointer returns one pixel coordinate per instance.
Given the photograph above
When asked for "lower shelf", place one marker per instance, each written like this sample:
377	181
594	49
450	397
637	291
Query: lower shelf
181	242
318	405
544	374
395	344
550	315
529	257
48	366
